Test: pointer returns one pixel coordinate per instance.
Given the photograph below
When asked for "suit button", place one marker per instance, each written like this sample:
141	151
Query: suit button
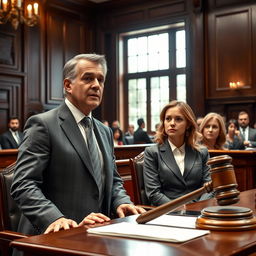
95	196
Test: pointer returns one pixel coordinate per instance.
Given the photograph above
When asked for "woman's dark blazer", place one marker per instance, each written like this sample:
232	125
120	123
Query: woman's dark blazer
162	176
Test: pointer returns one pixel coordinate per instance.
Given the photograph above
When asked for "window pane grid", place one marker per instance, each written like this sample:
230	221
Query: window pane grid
148	53
147	57
159	89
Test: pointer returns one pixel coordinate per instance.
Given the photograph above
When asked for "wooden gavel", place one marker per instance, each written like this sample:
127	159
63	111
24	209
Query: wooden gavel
223	184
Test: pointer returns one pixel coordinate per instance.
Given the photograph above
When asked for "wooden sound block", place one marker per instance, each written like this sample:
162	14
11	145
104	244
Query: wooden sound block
226	218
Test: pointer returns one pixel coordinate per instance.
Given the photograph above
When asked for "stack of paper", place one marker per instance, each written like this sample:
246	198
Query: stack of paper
151	232
175	221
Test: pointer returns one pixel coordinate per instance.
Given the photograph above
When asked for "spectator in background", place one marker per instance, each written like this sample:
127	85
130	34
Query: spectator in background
248	134
117	137
233	138
213	131
105	122
12	138
130	131
129	139
140	136
115	124
177	164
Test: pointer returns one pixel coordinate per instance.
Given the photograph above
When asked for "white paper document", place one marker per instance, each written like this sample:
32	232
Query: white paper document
151	232
175	221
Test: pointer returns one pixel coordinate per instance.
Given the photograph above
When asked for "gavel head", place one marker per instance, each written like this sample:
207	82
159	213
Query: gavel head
223	180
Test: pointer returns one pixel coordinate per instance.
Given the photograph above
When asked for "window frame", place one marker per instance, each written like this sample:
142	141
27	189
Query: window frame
172	72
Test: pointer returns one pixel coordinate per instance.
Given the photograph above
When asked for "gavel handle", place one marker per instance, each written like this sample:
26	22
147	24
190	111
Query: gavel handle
167	207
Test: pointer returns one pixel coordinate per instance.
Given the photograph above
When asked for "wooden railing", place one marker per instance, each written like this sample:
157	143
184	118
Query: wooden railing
244	162
7	157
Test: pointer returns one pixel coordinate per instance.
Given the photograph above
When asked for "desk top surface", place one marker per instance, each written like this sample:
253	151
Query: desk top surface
78	242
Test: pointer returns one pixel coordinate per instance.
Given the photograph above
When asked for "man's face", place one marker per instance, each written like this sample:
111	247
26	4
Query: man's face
243	120
131	129
14	124
86	90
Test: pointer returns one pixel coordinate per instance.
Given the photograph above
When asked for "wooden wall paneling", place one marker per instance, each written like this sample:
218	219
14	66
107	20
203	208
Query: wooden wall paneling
11	78
254	47
10	99
195	59
230	52
66	36
55	58
10	49
34	63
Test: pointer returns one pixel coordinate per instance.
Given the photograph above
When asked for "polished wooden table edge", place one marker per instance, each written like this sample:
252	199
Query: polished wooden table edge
35	242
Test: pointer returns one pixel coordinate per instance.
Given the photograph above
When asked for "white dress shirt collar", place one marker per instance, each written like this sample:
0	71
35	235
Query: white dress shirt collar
78	115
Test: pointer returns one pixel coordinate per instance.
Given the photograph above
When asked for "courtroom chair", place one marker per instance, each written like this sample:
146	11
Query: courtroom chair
9	212
129	140
136	166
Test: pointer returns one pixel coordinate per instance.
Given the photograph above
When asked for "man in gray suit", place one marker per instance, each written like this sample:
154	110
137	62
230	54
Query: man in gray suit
248	134
57	182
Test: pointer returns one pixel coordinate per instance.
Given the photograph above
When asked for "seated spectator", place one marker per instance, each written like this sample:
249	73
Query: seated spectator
248	134
177	164
130	131
117	136
105	122
129	135
140	136
12	138
115	124
213	131
233	138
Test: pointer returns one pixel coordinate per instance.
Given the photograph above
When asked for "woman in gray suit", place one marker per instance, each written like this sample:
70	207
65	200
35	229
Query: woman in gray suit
176	165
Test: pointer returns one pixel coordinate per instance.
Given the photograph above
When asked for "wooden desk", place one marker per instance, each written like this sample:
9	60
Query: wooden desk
7	157
77	242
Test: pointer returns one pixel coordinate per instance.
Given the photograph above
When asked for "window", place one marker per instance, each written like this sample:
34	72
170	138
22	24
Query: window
154	65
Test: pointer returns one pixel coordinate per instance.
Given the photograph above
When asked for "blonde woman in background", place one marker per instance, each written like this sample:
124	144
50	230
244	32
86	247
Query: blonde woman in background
213	130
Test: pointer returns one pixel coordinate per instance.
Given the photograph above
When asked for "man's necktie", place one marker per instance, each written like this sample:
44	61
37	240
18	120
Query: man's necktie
243	133
93	150
17	137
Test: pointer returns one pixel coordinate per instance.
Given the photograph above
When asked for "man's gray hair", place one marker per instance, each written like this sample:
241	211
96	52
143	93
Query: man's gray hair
69	70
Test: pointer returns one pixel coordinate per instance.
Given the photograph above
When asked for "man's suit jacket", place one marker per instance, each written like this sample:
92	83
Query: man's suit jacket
54	177
8	142
252	136
141	136
163	179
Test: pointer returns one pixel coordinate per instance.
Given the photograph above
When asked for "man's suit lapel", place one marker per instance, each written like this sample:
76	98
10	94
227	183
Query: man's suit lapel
12	140
168	158
190	158
71	130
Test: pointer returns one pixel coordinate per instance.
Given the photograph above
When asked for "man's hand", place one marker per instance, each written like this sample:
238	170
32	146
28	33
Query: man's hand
128	209
247	143
93	218
61	223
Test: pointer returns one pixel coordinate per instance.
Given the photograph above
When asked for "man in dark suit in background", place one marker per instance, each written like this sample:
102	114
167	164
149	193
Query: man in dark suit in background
11	139
140	136
248	134
58	182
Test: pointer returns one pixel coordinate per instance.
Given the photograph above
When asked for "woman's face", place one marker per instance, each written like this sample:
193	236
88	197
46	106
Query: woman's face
116	135
175	124
211	130
231	128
